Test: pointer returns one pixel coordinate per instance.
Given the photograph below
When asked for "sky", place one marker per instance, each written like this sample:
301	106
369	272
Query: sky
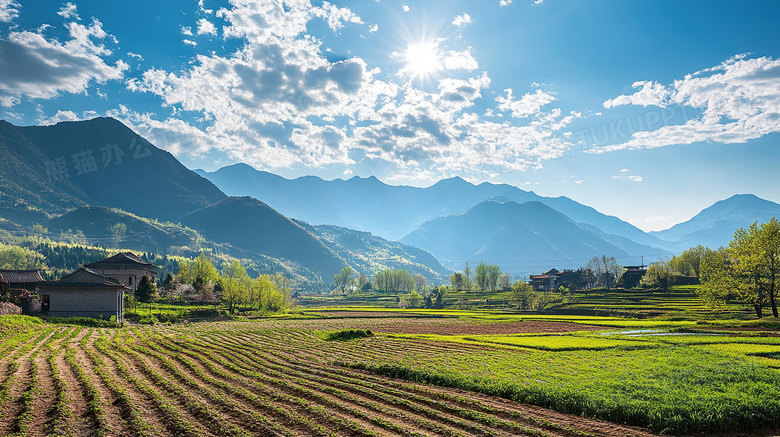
646	110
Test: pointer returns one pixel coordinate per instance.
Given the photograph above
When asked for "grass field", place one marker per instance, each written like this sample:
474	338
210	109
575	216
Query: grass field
288	376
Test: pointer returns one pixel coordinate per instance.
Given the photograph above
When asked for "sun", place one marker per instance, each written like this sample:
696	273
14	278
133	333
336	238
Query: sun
422	58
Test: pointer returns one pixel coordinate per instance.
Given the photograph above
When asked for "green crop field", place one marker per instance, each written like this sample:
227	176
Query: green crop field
364	371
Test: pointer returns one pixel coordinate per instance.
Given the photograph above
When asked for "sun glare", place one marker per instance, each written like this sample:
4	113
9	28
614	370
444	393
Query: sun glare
422	58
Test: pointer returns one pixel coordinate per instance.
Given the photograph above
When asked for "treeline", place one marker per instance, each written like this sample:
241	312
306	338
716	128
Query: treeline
199	280
747	270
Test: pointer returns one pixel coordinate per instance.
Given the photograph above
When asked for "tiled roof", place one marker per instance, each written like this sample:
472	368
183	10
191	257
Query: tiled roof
119	258
20	276
84	277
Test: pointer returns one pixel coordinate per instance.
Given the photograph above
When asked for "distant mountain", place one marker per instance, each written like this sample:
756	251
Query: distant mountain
715	226
393	211
368	253
90	175
94	162
520	238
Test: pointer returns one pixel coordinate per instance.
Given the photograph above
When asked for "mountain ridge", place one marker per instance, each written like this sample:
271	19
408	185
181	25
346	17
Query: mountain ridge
310	198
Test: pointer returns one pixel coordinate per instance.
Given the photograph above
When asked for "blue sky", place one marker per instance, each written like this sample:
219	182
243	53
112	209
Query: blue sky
647	110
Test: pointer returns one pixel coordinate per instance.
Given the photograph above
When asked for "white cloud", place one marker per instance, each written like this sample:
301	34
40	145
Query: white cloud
68	11
405	7
624	176
60	116
9	10
650	94
68	66
737	101
503	3
461	60
278	102
189	42
135	55
373	28
461	20
538	2
336	16
186	30
203	8
529	104
206	27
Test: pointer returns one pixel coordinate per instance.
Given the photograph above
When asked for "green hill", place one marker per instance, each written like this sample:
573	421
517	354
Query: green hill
249	224
139	233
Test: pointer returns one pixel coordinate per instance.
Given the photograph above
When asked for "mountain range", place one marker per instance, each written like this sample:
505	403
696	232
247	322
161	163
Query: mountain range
91	174
527	237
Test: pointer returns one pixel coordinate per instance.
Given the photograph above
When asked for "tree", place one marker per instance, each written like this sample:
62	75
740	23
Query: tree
263	291
20	258
689	262
522	294
414	299
467	277
235	283
39	231
344	279
439	302
481	276
198	273
660	274
168	281
117	233
146	290
390	280
420	283
753	264
362	281
284	287
718	284
506	281
458	281
605	269
494	274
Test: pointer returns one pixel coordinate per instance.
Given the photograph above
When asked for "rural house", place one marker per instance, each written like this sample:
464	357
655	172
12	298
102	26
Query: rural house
20	285
546	281
126	267
19	280
84	293
631	276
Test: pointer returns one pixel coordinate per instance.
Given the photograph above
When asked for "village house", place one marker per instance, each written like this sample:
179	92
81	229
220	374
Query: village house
631	276
19	280
20	285
84	293
545	281
126	267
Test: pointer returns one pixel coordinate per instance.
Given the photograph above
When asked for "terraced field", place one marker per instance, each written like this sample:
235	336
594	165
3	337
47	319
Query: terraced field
235	379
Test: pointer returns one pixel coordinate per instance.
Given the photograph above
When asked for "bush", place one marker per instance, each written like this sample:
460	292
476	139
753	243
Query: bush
170	317
347	334
148	319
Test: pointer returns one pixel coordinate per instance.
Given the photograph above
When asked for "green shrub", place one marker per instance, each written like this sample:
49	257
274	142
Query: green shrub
148	319
347	334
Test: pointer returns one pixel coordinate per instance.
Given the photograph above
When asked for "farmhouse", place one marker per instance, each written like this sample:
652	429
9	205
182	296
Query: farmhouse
84	293
126	267
545	281
19	280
